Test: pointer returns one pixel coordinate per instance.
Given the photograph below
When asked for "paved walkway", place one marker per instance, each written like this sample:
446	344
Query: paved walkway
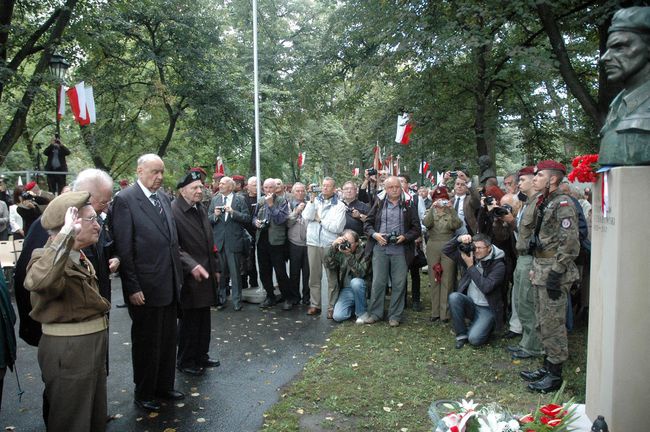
259	351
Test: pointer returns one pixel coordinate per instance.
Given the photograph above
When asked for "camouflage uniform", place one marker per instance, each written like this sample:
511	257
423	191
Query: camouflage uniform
557	248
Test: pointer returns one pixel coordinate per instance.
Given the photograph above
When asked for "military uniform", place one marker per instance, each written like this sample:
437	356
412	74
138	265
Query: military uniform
557	249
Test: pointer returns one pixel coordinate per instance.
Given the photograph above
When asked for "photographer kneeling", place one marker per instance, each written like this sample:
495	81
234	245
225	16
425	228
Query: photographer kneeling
479	293
345	258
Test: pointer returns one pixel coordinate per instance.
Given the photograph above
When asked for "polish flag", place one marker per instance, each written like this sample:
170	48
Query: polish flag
301	159
355	172
60	110
376	164
424	167
218	169
82	103
396	167
404	128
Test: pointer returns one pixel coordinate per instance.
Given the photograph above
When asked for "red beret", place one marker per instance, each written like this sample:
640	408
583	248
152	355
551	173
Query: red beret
29	186
440	192
199	170
528	170
124	182
238	177
550	165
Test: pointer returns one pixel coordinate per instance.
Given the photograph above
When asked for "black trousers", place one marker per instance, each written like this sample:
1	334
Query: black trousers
153	349
56	183
193	337
271	258
415	283
298	263
249	267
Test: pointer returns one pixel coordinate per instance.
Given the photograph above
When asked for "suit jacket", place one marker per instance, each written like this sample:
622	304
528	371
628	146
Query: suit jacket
148	248
197	247
471	206
63	152
229	232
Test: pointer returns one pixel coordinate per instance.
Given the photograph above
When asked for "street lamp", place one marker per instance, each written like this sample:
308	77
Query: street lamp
58	67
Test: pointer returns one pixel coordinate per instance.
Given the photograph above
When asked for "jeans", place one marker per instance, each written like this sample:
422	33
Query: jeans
482	319
351	298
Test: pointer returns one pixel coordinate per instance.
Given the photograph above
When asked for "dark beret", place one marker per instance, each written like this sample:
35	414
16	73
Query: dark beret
54	214
550	165
633	19
528	170
188	178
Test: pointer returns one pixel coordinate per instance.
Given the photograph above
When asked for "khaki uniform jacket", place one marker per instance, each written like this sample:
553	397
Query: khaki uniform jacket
526	227
558	236
62	291
441	225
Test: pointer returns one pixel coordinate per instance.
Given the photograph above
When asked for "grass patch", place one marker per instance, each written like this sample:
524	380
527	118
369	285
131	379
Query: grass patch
377	378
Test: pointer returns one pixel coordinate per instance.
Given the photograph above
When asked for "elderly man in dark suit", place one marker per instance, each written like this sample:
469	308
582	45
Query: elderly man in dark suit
228	215
199	276
147	244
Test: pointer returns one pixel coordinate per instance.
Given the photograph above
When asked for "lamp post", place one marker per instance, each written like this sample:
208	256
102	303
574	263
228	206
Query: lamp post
58	67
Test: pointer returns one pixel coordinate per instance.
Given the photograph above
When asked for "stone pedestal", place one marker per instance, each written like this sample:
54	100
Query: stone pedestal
618	360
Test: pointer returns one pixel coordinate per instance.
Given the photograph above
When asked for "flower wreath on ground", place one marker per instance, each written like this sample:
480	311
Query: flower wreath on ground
467	416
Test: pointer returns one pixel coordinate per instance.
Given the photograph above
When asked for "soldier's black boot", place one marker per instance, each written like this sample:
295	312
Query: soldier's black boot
551	382
536	375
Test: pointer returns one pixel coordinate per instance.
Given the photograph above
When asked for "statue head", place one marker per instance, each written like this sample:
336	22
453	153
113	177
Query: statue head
627	59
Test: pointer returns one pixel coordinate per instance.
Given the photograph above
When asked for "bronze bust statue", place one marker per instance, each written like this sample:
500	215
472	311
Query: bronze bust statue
625	137
486	169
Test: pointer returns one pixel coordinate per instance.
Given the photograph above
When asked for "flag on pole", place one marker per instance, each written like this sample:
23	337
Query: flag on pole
301	159
60	110
424	167
376	164
218	169
82	103
396	167
355	172
20	181
404	128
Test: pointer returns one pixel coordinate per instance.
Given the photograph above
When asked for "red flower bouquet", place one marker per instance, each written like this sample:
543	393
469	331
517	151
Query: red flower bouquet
583	168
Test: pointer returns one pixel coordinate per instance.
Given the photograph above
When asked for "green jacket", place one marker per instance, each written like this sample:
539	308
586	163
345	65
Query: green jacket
347	266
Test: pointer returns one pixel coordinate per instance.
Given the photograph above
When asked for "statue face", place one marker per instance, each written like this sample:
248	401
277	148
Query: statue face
627	58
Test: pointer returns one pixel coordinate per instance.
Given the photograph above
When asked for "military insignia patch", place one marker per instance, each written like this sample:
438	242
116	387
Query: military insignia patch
566	223
564	203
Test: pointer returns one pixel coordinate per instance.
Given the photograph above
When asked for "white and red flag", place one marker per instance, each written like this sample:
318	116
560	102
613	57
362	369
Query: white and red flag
376	164
82	103
355	172
219	169
396	168
301	159
424	167
404	128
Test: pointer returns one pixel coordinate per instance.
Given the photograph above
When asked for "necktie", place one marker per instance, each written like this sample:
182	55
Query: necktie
225	203
156	203
457	204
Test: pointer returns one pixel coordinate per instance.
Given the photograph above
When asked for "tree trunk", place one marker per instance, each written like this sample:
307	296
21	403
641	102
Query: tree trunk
19	120
481	100
575	86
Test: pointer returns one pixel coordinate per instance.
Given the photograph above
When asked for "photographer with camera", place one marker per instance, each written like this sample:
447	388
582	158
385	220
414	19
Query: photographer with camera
392	227
346	260
325	215
441	221
56	153
479	295
271	236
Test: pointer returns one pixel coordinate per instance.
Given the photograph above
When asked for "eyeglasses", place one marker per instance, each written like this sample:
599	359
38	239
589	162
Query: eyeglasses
480	247
91	219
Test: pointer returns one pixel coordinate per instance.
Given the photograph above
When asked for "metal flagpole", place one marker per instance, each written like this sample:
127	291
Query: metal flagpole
257	107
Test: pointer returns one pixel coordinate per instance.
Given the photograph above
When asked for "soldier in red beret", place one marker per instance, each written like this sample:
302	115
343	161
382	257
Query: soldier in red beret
555	245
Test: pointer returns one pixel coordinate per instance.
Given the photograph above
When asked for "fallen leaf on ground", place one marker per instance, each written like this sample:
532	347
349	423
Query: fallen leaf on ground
388	409
153	415
300	411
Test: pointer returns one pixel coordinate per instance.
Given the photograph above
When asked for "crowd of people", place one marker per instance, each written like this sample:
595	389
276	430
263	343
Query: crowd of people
494	255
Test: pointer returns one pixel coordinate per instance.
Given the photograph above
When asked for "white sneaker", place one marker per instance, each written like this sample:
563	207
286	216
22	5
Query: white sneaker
361	319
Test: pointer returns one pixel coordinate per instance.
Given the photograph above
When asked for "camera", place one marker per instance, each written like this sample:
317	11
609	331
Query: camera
466	248
345	245
453	173
443	203
317	189
371	171
503	210
26	196
489	200
220	208
263	223
392	237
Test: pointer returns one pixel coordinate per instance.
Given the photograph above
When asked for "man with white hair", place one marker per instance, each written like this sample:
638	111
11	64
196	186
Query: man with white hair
147	243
